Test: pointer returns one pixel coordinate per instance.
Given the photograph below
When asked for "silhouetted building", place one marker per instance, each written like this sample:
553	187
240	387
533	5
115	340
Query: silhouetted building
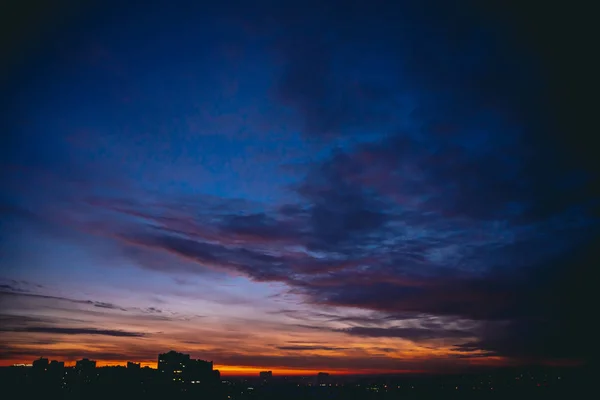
198	371
39	371
40	365
85	369
133	366
266	375
180	368
172	364
56	369
56	365
172	361
85	365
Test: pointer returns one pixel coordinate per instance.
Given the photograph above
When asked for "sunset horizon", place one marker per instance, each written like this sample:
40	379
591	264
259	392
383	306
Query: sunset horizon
357	188
243	371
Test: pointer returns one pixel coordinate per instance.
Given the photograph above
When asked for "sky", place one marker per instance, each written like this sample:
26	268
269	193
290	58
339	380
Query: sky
352	187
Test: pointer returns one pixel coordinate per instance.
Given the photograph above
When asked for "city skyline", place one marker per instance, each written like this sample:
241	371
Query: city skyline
366	188
45	362
180	376
228	371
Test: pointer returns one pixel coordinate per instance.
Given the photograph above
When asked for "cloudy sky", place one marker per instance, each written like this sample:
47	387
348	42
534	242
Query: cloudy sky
358	187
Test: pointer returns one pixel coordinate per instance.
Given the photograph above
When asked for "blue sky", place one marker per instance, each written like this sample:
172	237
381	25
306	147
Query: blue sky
379	183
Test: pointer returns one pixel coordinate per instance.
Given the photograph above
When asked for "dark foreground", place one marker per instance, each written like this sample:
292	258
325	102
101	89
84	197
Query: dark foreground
119	383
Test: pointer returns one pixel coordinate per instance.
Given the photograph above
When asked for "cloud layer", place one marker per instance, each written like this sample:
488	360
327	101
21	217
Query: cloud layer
393	173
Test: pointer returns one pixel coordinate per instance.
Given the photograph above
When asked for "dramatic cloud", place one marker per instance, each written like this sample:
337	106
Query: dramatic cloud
311	348
79	331
389	174
553	320
407	333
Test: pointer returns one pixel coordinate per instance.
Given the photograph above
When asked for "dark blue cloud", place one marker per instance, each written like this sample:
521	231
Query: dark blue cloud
416	334
443	177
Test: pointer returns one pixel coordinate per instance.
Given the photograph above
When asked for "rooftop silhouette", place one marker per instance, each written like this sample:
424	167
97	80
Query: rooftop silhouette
179	376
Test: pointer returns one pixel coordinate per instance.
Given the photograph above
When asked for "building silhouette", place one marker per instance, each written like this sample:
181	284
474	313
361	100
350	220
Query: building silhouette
56	370
39	371
199	371
56	365
85	365
133	366
40	365
199	380
265	375
180	368
171	365
86	370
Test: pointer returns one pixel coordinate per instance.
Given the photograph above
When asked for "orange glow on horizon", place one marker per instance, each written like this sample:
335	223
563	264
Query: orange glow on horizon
235	370
240	370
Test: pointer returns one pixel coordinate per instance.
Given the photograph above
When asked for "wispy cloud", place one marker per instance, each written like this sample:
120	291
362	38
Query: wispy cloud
79	331
311	348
